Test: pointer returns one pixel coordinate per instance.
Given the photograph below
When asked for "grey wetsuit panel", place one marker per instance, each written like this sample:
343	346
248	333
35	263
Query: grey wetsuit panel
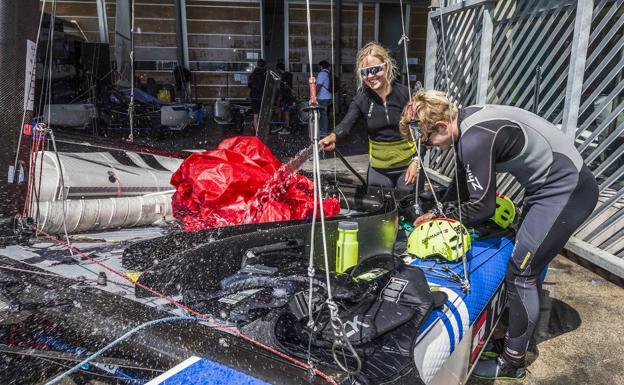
531	166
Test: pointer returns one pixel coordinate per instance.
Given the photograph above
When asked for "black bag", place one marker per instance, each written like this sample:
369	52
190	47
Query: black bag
405	296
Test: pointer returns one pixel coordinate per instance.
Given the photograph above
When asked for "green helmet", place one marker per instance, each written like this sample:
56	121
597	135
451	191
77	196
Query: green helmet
505	211
441	237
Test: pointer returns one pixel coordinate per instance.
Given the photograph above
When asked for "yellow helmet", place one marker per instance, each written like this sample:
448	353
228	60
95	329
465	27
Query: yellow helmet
442	237
505	211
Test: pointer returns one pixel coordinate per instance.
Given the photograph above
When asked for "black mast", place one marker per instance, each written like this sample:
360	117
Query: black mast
19	20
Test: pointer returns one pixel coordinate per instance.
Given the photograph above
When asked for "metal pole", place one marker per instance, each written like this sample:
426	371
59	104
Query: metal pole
487	31
337	54
18	25
182	43
431	54
408	14
576	72
286	36
360	21
261	5
131	105
376	22
536	89
102	21
123	41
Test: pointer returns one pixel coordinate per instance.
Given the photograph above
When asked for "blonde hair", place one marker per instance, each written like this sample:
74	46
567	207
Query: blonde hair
429	107
377	50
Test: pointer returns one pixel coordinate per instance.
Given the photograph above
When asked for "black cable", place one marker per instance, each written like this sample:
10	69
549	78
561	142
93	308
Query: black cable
350	168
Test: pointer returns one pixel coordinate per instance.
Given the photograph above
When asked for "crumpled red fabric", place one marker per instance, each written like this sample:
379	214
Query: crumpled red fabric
240	182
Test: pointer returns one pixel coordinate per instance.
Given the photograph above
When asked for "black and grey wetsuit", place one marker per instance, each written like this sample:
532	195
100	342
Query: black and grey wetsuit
560	193
389	153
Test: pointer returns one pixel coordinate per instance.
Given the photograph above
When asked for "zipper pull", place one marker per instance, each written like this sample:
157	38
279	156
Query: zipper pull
387	117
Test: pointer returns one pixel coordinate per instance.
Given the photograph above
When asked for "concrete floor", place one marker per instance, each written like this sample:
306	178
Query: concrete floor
584	340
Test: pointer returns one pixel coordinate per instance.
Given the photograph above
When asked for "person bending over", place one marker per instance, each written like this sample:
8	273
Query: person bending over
560	193
380	101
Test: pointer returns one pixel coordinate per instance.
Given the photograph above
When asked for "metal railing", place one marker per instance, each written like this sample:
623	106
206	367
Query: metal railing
563	60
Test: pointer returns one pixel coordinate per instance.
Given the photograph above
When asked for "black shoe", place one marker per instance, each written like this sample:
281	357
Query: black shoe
499	368
494	348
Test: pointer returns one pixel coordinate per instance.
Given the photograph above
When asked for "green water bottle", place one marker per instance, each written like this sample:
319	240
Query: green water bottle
347	246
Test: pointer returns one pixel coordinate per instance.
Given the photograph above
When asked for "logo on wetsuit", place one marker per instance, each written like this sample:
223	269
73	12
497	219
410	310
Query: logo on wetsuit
476	185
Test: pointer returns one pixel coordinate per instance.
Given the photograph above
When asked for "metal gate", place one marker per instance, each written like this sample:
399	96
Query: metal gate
563	60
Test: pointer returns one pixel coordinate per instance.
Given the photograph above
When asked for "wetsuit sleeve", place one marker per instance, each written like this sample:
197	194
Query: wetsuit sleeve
353	115
479	172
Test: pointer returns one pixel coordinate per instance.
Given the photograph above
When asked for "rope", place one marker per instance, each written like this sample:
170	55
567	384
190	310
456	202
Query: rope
131	105
466	282
28	89
211	321
404	40
337	327
31	271
117	341
62	192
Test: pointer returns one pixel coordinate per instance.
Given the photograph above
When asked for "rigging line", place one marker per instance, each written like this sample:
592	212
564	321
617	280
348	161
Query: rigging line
31	271
332	73
131	105
28	87
62	192
309	37
214	323
56	357
405	40
117	341
331	16
49	90
451	119
46	61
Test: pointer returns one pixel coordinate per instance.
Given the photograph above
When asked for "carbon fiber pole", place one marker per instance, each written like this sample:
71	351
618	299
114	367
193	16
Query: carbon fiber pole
19	20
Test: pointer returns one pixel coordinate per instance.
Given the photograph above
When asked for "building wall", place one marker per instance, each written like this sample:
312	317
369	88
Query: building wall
224	39
353	14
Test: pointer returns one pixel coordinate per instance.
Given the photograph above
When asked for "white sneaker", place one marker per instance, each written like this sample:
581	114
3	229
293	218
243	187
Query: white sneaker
284	132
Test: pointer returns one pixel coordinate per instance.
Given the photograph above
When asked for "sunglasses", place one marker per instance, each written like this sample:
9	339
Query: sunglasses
419	133
372	70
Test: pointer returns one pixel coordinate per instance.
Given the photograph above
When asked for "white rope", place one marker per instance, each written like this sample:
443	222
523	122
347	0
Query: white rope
466	283
27	88
405	40
131	106
333	90
309	23
341	340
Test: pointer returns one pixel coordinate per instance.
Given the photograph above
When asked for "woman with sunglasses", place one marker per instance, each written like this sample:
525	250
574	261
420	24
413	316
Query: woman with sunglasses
380	102
560	193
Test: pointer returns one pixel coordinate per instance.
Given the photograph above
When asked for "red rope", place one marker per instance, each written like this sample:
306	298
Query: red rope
193	312
35	148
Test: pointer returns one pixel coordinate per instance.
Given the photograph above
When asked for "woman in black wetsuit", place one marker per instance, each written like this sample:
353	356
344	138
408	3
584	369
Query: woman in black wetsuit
380	102
560	193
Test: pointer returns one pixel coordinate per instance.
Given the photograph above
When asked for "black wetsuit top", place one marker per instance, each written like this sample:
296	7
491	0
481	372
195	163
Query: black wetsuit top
494	139
560	193
382	121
